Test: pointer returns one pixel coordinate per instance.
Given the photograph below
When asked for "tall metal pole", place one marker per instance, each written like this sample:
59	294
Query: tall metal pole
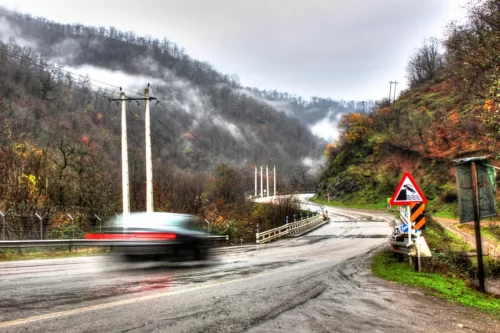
261	189
149	160
477	228
125	180
267	181
274	178
256	186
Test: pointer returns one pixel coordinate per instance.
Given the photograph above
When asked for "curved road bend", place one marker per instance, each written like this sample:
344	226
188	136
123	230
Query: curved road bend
241	288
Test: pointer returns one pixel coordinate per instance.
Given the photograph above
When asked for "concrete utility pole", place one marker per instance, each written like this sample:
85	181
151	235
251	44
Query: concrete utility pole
261	189
274	178
395	83
149	160
256	181
267	181
390	90
125	179
125	173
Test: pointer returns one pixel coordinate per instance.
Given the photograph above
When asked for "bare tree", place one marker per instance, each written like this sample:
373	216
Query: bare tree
425	63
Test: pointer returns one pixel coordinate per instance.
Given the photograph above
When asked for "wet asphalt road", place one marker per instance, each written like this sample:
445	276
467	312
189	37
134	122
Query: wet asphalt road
240	289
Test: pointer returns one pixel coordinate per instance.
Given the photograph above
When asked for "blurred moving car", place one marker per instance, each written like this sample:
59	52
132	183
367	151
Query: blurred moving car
156	236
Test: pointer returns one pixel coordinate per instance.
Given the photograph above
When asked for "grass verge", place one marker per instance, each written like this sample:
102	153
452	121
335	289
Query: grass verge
50	253
451	288
441	240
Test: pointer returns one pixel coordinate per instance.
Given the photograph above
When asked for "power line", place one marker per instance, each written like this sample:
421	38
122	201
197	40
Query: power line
180	123
47	65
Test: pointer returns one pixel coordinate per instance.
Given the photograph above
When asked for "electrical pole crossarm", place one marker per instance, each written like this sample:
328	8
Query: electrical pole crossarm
132	99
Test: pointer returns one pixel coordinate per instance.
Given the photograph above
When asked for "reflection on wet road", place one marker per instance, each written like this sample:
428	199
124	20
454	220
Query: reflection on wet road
34	288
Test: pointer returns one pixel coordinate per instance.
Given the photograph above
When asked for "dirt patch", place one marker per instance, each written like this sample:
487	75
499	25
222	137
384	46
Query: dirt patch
490	247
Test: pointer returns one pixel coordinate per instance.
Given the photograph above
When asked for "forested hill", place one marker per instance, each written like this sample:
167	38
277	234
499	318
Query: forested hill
60	135
451	111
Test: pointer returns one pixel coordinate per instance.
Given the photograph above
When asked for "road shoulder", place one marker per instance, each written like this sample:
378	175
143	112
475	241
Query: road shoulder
357	301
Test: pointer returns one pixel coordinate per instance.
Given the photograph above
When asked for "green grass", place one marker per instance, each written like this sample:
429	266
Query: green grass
441	240
448	211
452	289
39	253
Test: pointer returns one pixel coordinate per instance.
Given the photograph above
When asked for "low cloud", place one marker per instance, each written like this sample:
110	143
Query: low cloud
327	128
8	32
282	106
100	75
314	165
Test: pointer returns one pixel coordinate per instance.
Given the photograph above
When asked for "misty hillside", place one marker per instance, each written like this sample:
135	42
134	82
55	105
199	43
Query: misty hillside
60	134
109	48
208	104
320	114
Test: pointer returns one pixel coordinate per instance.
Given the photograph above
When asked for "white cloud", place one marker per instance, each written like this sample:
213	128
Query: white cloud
327	128
116	78
314	165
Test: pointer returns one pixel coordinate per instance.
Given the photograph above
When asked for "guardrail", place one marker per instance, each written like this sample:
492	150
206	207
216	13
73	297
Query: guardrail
403	215
72	243
288	229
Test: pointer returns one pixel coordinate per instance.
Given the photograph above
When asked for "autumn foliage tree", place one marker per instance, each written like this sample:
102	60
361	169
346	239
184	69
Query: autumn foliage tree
354	127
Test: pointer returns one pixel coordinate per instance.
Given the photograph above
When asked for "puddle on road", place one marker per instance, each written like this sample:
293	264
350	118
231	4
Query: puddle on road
227	273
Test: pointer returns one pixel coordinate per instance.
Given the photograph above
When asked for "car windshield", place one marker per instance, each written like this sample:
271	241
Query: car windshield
149	220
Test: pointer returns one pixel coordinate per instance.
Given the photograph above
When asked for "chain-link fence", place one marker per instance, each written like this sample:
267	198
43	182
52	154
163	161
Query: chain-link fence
53	225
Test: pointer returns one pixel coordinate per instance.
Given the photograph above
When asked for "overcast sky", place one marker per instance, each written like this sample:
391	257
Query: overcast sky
343	49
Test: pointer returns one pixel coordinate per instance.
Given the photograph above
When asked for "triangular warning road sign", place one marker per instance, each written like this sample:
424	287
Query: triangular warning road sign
407	192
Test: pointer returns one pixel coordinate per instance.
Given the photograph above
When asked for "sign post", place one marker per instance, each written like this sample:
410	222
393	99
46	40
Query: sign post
477	229
476	181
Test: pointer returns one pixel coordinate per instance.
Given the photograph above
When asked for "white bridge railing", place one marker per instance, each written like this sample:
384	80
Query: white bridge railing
289	229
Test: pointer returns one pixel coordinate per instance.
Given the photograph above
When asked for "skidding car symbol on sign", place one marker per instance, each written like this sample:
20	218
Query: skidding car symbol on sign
407	192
